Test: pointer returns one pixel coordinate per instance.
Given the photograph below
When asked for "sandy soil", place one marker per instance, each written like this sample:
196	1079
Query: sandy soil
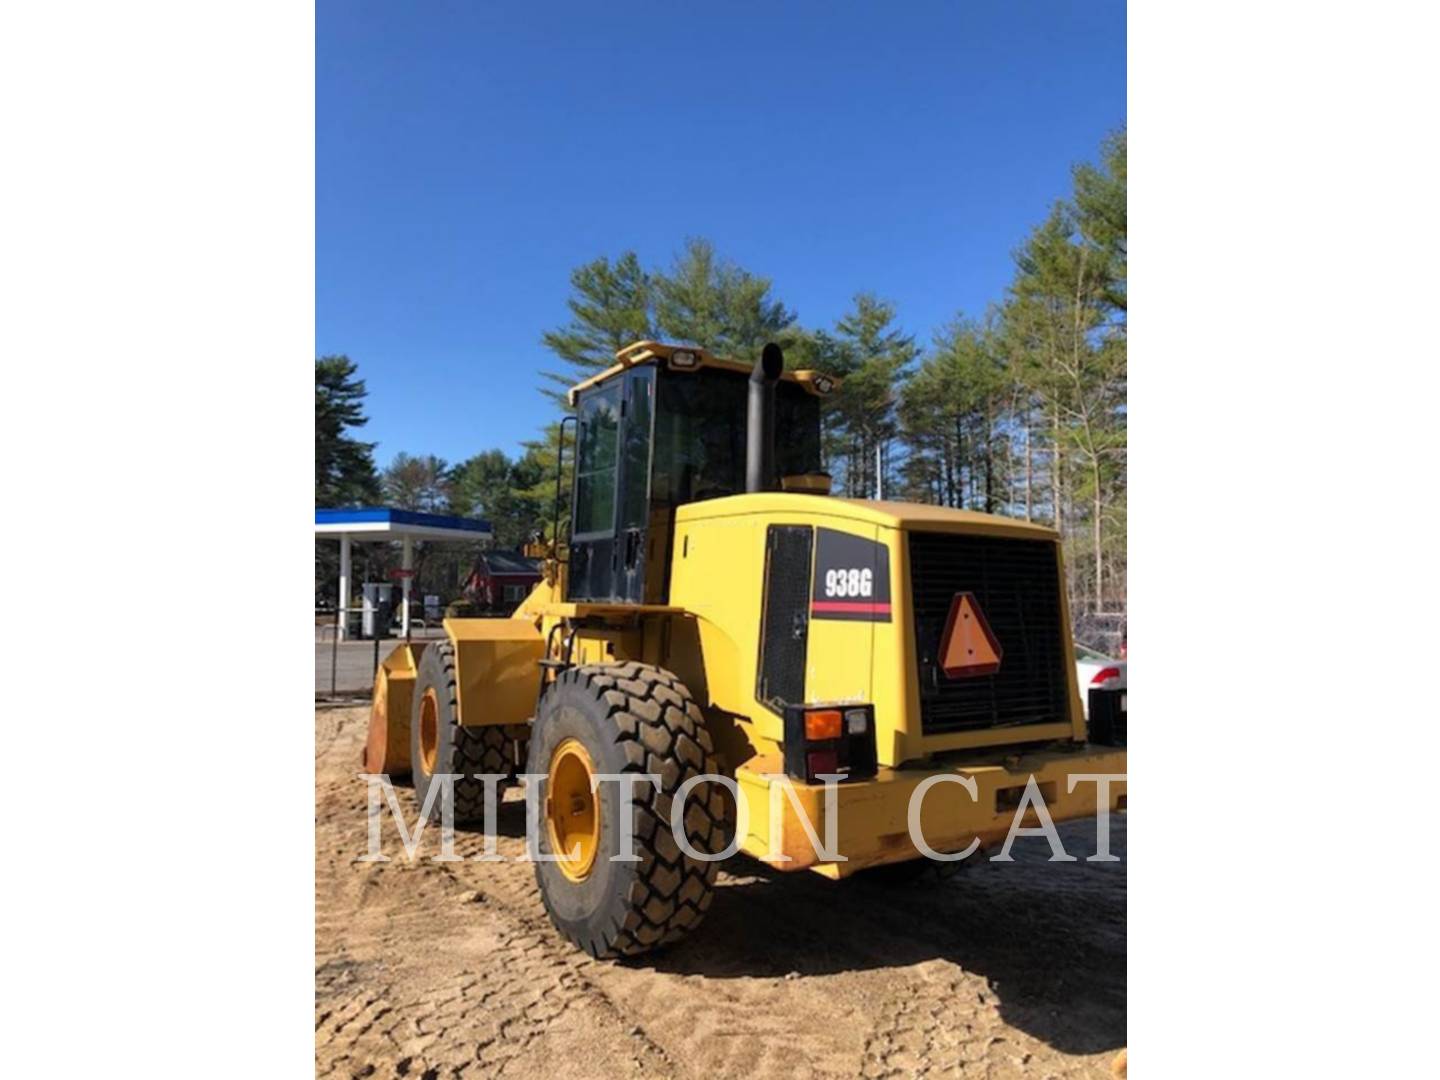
433	970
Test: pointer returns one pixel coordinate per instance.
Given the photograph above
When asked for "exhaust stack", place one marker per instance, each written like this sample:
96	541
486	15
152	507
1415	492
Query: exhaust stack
760	420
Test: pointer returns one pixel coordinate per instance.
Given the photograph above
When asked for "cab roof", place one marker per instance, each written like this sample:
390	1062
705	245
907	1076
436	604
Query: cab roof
693	358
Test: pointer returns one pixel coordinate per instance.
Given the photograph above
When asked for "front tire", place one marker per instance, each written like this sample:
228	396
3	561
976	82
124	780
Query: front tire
439	744
625	718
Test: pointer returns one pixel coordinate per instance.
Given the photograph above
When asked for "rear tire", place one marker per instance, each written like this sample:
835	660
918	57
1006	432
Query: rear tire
439	744
629	718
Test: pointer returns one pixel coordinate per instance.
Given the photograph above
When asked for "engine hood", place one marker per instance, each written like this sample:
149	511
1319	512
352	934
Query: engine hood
893	515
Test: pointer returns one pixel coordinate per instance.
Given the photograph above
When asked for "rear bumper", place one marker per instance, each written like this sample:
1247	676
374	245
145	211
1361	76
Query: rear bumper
871	817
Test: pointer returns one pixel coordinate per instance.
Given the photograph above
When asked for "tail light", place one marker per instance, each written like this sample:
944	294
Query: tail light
828	739
1107	678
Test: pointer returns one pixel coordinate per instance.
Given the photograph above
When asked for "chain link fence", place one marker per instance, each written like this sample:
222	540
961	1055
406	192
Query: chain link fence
345	664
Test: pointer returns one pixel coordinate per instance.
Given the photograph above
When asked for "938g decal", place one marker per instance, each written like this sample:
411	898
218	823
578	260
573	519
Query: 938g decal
852	578
851	582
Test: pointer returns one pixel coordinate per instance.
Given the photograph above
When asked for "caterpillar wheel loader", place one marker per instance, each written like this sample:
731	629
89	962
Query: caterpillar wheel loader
716	613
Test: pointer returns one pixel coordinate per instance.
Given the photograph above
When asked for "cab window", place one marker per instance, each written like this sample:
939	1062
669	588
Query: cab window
595	474
700	435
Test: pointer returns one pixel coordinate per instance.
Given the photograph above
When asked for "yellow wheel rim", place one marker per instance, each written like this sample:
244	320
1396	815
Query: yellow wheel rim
429	731
572	812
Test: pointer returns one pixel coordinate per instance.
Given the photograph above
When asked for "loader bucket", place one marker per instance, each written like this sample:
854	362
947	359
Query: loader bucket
387	747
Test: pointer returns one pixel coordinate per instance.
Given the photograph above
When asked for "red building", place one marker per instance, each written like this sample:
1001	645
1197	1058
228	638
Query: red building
501	579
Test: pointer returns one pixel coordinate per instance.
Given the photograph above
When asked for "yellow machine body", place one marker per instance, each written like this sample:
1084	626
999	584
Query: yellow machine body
708	634
717	579
496	669
871	824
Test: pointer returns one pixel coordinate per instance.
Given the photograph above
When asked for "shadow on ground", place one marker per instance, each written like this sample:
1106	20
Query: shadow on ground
1049	938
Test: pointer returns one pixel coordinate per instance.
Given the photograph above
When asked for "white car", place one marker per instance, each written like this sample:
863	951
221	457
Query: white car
1099	671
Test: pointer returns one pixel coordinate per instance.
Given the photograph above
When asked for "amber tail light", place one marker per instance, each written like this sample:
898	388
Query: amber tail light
828	739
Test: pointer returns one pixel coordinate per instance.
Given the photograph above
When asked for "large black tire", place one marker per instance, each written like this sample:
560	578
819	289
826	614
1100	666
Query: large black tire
633	718
463	751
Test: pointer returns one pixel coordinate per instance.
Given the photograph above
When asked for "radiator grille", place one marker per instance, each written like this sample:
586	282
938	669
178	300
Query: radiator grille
1016	583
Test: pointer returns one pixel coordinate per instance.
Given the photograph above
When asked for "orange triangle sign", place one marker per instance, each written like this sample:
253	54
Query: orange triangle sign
968	647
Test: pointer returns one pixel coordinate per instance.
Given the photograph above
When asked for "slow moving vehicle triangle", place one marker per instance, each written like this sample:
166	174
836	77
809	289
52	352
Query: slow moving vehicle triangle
968	647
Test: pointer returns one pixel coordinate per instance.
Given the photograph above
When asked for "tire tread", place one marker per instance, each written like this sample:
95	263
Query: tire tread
660	730
493	748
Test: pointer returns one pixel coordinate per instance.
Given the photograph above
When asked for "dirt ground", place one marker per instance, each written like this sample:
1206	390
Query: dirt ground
433	970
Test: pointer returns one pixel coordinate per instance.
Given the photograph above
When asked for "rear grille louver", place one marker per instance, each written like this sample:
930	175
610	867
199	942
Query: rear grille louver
1016	583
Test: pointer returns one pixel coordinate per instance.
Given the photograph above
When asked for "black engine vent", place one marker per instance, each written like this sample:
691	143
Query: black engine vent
785	626
1016	584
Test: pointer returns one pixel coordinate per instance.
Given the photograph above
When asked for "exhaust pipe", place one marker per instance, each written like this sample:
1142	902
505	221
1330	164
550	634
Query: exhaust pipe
760	420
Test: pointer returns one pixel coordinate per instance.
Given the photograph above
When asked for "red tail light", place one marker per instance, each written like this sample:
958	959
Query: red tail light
1105	676
820	762
829	739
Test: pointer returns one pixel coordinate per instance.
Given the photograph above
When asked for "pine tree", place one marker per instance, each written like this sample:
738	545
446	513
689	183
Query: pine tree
872	356
416	483
1100	214
491	486
552	516
708	301
1064	330
344	466
611	306
953	415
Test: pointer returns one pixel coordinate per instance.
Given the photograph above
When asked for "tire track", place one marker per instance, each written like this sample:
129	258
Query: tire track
448	979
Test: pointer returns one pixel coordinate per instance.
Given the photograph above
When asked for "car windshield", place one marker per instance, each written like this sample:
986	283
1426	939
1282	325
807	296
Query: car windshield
1084	653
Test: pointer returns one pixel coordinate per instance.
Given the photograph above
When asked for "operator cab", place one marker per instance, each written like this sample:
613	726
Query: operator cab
665	426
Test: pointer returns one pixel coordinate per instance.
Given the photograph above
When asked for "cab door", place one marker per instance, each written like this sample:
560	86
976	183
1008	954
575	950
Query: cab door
612	489
637	438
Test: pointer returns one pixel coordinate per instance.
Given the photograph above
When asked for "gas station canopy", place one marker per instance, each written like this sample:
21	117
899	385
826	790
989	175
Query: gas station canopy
374	524
386	523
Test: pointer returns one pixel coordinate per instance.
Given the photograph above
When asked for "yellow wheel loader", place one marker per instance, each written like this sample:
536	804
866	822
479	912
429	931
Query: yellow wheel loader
724	657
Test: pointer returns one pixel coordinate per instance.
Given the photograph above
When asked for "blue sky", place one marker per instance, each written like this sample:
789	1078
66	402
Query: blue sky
469	155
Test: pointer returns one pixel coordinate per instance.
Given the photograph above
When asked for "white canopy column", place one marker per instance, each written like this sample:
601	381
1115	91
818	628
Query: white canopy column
344	586
407	563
